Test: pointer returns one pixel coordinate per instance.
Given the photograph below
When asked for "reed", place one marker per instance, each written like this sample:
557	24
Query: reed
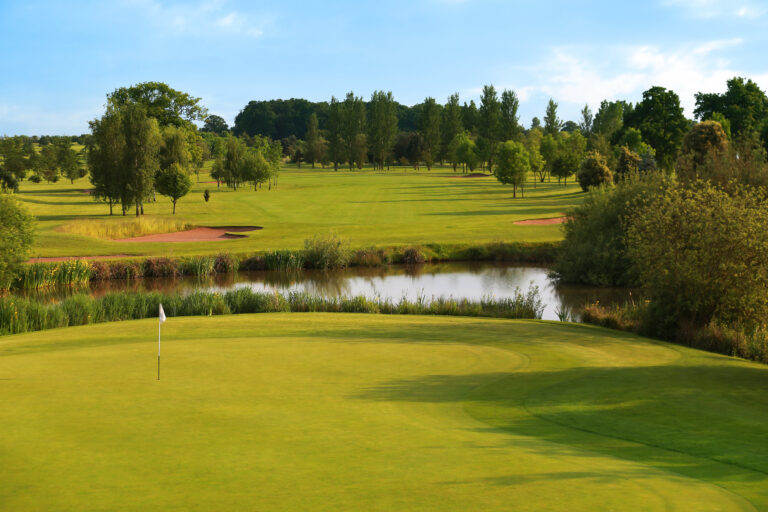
118	229
59	273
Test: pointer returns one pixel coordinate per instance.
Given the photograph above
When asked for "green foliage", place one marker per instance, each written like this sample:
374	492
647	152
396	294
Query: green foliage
429	128
743	104
660	119
60	273
16	237
628	163
159	101
552	124
703	145
382	127
512	165
702	256
326	252
594	249
594	171
215	124
173	183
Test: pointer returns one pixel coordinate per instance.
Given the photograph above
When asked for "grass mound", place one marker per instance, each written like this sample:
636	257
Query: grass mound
124	228
292	411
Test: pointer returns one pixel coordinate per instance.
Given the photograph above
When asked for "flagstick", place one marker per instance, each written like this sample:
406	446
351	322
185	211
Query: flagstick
158	350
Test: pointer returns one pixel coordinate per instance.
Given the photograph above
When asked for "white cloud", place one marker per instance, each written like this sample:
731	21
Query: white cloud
199	18
715	8
575	75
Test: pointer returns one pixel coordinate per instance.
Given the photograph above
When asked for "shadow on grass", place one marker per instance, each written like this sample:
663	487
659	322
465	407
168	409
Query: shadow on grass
704	421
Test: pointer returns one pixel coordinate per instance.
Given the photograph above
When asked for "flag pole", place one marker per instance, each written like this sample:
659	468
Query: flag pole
158	349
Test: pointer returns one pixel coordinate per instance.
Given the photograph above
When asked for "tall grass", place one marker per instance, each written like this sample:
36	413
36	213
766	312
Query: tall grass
60	273
18	315
125	228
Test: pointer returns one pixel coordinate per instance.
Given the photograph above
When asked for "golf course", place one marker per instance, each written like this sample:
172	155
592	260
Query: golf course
375	412
368	208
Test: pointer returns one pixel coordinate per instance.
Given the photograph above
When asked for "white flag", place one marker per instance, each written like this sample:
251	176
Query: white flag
161	314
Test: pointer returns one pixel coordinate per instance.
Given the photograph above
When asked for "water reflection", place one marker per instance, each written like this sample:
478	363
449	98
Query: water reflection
461	280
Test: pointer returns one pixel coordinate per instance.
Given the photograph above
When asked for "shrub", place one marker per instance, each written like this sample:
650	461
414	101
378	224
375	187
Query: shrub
161	267
594	248
702	257
283	260
413	256
226	263
16	235
370	257
326	252
594	171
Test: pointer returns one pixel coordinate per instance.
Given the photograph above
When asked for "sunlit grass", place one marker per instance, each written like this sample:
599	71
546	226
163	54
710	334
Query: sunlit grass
118	229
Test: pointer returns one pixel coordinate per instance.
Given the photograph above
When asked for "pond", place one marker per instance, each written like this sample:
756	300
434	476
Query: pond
459	280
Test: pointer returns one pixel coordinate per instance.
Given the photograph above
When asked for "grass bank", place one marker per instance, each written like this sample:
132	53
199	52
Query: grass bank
19	315
327	412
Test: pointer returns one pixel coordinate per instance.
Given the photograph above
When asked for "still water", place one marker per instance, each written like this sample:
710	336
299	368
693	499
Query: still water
458	280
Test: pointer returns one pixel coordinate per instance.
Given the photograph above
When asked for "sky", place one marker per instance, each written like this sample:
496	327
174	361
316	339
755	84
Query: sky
59	60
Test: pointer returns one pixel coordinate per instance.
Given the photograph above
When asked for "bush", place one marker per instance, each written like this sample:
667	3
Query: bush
326	252
594	249
161	267
16	235
413	256
594	171
702	257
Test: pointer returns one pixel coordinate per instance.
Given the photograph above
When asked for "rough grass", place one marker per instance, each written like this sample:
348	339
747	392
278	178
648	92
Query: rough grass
114	229
395	208
327	412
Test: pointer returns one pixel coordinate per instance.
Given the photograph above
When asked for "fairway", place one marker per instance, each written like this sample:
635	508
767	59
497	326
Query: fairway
368	208
362	412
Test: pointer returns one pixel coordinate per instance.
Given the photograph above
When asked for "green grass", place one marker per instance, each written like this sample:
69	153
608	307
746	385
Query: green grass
368	208
359	412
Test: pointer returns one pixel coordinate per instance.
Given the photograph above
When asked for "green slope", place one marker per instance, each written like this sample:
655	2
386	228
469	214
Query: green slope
362	412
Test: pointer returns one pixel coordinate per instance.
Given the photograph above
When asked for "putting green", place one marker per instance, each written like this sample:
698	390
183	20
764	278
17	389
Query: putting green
363	412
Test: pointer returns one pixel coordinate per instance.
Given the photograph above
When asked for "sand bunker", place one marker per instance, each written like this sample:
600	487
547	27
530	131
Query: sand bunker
473	175
204	234
541	222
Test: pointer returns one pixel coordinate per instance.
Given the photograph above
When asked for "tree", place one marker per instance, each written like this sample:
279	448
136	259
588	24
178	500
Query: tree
167	105
466	151
313	150
550	150
594	172
451	126
586	121
14	163
382	127
533	145
660	119
254	167
429	128
628	165
552	124
173	182
744	104
140	154
175	148
609	119
16	236
335	144
469	117
703	146
569	155
489	124
69	164
535	123
352	125
215	124
105	156
512	165
510	121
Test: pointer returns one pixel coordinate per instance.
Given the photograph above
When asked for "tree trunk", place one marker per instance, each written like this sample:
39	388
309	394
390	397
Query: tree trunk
174	207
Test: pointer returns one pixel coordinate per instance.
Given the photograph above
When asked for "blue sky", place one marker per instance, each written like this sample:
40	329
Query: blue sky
60	59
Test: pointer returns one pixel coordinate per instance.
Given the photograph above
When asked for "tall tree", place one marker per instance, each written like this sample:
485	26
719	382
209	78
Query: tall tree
160	101
335	144
660	119
140	155
585	125
382	127
489	123
552	124
510	121
313	140
105	156
450	127
469	117
429	128
352	127
173	182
